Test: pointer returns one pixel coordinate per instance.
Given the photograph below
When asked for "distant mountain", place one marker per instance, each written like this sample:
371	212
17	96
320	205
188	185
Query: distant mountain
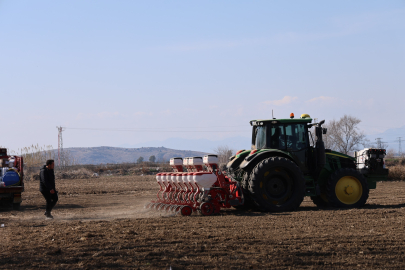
105	154
203	145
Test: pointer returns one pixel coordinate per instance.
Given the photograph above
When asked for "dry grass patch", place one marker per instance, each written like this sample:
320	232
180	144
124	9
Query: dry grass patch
396	172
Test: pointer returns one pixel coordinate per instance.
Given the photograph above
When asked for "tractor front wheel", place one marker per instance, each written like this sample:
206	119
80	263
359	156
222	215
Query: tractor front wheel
277	184
347	188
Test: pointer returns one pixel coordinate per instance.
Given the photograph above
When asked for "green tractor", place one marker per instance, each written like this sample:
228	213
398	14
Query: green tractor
286	164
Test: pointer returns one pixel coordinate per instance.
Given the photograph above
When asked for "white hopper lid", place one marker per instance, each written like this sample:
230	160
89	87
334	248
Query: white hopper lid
195	161
210	159
159	177
173	178
176	161
179	177
163	177
205	179
190	177
184	178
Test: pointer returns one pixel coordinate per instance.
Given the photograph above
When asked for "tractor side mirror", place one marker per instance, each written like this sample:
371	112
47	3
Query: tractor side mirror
324	131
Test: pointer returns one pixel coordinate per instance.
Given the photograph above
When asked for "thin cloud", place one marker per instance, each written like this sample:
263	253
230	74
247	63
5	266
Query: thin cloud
323	100
284	101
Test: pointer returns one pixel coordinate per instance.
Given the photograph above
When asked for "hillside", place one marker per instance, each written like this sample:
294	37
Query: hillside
203	145
106	154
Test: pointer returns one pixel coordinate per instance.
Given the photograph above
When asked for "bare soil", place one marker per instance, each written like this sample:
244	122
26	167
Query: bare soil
101	223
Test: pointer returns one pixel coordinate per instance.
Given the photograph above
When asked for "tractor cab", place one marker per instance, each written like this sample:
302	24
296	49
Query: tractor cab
287	135
282	134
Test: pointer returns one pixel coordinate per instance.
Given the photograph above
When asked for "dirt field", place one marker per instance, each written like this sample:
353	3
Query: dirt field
100	223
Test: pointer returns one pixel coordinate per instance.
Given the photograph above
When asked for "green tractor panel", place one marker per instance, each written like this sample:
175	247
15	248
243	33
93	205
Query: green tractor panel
286	163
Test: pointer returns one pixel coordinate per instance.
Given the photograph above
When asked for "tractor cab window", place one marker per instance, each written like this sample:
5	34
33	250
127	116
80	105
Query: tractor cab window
260	137
296	137
277	137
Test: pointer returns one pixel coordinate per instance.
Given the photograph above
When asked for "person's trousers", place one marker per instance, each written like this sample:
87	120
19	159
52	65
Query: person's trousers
51	200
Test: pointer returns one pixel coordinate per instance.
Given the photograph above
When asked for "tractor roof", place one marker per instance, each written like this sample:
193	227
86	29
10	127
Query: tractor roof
283	121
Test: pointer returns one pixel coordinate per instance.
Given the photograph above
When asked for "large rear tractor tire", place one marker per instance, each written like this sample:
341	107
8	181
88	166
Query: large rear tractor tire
347	188
276	185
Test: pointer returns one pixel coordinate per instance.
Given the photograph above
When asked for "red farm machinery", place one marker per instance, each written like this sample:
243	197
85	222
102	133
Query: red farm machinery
202	187
11	178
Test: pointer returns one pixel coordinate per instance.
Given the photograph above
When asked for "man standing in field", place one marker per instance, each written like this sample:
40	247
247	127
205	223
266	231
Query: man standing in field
47	186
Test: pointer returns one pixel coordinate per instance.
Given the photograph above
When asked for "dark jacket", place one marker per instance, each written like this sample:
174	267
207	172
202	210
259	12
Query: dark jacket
46	179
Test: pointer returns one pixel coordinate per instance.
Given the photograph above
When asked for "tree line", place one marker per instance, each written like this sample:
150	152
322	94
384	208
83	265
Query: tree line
151	159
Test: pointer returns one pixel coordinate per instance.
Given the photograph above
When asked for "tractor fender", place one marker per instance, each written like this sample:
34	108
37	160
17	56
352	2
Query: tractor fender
235	161
252	160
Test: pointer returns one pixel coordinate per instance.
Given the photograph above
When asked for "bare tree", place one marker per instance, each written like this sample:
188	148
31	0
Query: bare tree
390	153
344	135
224	152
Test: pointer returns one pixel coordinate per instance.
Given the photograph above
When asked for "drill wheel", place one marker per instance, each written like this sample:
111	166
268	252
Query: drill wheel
207	209
186	210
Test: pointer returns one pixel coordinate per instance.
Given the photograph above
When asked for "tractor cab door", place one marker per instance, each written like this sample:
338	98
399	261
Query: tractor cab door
259	137
298	144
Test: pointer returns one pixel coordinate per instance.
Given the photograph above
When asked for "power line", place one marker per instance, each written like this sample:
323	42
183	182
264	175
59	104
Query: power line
362	125
153	130
188	127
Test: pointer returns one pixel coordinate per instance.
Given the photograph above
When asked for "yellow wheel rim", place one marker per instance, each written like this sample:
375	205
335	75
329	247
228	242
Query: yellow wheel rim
348	190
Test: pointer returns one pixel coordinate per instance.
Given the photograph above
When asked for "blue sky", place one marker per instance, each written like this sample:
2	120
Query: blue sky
140	71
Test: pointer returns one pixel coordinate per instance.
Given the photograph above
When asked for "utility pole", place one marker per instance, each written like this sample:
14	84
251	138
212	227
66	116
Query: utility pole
60	144
380	144
400	146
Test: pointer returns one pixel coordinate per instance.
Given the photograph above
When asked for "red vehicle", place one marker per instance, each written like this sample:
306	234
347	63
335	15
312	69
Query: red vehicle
11	178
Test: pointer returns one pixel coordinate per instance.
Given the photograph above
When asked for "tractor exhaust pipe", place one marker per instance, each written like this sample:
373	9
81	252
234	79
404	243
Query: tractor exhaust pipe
320	147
